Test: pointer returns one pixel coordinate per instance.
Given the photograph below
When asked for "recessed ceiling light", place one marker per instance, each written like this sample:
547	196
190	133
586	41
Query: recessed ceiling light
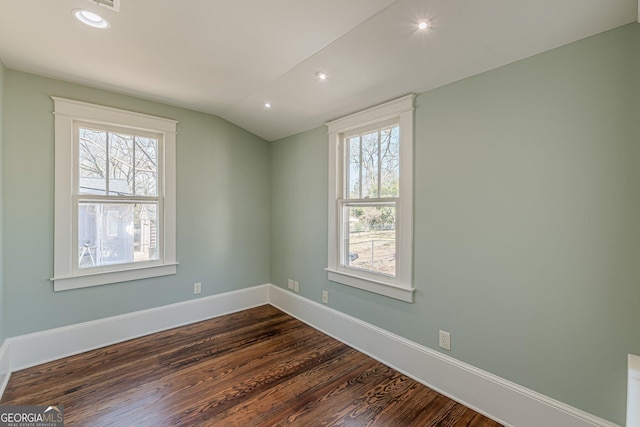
268	105
423	25
321	75
90	18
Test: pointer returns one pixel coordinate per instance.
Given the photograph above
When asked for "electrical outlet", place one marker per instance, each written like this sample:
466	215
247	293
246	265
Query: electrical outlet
290	284
197	288
296	286
325	297
444	340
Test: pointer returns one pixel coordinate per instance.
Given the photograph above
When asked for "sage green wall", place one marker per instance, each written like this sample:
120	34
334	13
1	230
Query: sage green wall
2	308
223	210
527	239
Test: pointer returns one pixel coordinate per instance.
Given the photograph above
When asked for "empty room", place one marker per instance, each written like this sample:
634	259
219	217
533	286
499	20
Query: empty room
340	213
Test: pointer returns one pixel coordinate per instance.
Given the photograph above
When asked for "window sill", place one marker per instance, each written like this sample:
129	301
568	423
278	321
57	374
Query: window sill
378	287
104	278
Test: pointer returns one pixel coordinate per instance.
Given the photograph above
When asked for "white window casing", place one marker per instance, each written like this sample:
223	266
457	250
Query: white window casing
69	114
400	285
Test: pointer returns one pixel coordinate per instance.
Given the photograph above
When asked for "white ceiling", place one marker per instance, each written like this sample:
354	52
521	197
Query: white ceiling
228	57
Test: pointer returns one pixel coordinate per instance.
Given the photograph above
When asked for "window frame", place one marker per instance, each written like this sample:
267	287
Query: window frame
69	115
401	285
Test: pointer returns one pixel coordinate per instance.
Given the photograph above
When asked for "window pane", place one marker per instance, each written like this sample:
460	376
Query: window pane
354	167
120	164
371	242
146	166
92	161
370	159
116	233
389	162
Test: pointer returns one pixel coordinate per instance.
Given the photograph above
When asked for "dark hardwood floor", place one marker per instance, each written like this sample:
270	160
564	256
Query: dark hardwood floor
259	367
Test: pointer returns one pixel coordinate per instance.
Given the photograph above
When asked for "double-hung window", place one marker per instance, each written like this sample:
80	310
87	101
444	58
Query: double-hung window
114	195
370	199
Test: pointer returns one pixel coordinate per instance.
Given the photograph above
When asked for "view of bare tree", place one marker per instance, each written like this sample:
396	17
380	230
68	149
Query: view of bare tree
117	163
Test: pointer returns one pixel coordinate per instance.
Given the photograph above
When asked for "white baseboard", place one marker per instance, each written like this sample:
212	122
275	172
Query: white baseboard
633	391
41	347
504	401
5	366
499	399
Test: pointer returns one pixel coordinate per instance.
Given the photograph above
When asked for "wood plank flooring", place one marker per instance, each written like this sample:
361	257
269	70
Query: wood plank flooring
259	367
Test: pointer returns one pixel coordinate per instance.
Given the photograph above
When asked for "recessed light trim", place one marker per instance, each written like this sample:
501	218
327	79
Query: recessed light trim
321	75
268	105
423	25
90	18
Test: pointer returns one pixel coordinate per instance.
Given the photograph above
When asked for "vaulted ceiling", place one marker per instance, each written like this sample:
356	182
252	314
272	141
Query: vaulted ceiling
229	57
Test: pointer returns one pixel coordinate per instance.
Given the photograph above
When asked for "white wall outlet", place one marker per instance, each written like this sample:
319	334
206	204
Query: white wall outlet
444	340
325	297
197	288
296	286
290	284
